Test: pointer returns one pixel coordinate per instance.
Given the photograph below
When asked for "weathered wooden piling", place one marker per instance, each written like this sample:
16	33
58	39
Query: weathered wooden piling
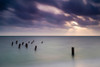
22	43
28	41
35	48
16	41
32	42
41	42
19	46
26	45
73	51
12	43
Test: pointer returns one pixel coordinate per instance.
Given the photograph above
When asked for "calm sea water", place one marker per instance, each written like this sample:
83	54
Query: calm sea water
54	52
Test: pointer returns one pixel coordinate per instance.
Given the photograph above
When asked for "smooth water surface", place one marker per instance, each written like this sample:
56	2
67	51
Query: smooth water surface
55	51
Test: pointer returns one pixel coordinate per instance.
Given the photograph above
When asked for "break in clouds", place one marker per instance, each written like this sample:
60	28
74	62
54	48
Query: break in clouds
50	14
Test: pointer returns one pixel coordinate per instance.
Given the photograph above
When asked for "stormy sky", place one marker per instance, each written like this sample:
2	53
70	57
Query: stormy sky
50	17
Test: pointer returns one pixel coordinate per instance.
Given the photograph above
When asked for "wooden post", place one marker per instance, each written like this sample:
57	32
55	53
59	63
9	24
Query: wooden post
26	45
32	42
19	46
28	41
73	51
35	48
12	44
16	41
41	42
22	43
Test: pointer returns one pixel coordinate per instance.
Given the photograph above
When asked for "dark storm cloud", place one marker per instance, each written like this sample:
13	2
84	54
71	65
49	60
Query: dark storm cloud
49	2
71	6
79	8
95	1
22	12
16	22
96	17
54	19
87	22
4	4
22	8
25	9
17	13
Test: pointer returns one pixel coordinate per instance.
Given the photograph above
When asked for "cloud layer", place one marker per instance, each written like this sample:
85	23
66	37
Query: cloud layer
49	14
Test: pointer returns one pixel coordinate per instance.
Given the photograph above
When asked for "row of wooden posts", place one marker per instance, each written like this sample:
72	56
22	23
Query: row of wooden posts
26	44
35	48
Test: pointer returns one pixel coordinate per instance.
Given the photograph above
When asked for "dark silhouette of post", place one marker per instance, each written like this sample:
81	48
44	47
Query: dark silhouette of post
16	41
26	45
32	42
19	46
41	42
22	43
73	51
12	44
35	48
